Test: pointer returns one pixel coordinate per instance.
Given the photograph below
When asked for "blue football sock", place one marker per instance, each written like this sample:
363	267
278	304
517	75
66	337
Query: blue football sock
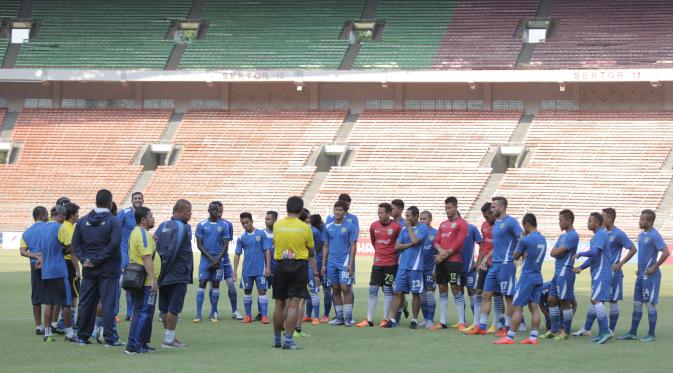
200	295
288	337
511	334
263	303
483	321
591	316
233	298
635	318
247	304
568	320
214	299
424	306
315	304
431	305
276	338
348	312
614	315
499	311
339	312
602	317
652	318
555	316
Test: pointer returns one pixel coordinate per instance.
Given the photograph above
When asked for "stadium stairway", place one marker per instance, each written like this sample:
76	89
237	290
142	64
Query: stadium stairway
527	50
146	174
320	176
11	9
665	210
368	12
495	178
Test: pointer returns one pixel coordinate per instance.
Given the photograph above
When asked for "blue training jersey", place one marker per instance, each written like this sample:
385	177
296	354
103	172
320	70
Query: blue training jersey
317	243
349	218
650	244
270	246
569	240
253	246
429	251
506	232
600	262
53	262
31	237
412	258
339	238
467	253
127	219
213	233
534	248
618	241
225	257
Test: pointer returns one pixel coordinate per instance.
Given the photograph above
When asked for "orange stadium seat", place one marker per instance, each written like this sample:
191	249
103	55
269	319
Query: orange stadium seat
586	161
251	161
73	153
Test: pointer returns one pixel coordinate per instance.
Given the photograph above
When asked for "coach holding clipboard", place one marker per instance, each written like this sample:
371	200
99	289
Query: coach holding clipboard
293	242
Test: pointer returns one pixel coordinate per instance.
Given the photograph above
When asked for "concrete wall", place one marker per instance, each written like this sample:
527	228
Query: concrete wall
284	96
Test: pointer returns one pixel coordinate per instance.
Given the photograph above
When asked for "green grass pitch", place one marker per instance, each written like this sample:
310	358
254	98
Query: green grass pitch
233	347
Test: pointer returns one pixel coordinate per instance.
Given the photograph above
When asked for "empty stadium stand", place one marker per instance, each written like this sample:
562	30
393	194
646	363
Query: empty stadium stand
421	157
8	9
251	161
422	34
591	160
606	33
73	152
412	34
272	34
102	34
482	34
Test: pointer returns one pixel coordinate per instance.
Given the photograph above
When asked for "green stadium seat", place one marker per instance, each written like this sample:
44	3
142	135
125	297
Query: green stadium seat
414	31
272	34
102	34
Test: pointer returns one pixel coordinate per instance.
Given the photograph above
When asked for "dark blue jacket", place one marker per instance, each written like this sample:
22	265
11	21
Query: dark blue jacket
97	236
174	245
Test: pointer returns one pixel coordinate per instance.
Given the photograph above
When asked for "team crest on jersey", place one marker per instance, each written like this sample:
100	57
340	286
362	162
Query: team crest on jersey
453	225
647	239
350	220
343	230
219	229
258	238
502	225
612	238
432	238
390	231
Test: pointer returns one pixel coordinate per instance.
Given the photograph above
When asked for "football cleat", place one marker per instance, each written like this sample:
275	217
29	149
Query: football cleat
582	333
504	341
364	324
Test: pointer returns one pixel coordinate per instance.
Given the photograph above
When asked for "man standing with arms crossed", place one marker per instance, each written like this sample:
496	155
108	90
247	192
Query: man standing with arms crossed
127	221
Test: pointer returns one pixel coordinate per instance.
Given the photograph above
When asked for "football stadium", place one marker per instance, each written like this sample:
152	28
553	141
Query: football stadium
394	185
